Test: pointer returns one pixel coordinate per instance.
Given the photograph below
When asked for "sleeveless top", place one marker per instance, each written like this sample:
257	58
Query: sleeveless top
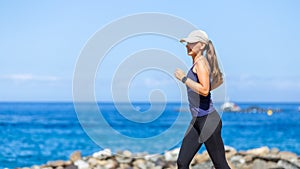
199	105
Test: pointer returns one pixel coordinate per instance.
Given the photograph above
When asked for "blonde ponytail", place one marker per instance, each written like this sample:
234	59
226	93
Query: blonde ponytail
216	75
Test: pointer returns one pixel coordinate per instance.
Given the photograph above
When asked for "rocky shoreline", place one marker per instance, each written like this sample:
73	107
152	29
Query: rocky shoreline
259	158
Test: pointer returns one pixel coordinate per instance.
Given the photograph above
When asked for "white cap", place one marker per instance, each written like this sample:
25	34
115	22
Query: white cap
196	36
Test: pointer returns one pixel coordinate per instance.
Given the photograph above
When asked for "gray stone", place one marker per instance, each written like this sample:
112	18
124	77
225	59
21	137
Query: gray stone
238	159
271	164
288	156
76	155
102	162
111	164
71	167
230	151
35	167
152	157
82	164
200	158
103	154
150	164
259	164
248	158
125	166
274	151
171	155
286	165
56	163
157	167
60	167
204	165
124	157
140	163
67	163
93	162
259	151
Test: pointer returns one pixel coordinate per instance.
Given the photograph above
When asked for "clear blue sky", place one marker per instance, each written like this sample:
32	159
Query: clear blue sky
257	42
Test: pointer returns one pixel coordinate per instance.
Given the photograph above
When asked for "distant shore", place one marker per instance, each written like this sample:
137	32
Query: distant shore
258	158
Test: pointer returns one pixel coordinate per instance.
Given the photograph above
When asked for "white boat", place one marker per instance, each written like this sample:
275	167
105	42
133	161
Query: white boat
230	106
299	108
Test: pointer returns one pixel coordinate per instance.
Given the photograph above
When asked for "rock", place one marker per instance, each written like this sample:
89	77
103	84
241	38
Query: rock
259	151
71	167
172	155
93	162
111	164
288	156
229	151
102	154
60	167
160	162
124	157
238	159
81	164
151	164
56	163
140	163
200	158
274	151
259	164
124	166
45	167
287	165
246	166
67	163
204	165
157	167
76	155
248	158
102	162
35	167
152	157
127	153
271	164
170	165
230	165
259	158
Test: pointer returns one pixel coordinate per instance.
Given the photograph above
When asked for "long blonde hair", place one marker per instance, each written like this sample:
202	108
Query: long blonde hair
216	75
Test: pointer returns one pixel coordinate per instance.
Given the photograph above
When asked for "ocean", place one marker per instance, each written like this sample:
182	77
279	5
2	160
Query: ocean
34	133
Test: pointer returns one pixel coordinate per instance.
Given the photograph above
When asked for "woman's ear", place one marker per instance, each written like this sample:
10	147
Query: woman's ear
202	47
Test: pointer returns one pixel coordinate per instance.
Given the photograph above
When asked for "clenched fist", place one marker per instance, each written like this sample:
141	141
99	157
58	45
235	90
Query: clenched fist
179	74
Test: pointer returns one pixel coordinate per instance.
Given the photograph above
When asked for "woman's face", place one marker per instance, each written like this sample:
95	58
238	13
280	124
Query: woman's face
194	48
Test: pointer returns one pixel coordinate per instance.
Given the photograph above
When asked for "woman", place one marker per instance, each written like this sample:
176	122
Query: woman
205	126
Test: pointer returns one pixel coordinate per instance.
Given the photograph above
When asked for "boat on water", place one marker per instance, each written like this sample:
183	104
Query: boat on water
299	108
233	107
230	107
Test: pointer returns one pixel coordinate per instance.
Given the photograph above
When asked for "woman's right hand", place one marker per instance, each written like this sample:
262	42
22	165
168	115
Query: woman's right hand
179	74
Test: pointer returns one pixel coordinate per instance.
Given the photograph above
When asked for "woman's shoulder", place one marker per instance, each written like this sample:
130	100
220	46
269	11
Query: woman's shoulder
202	63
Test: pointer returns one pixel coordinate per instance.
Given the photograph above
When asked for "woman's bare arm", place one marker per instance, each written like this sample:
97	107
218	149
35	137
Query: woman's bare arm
203	75
202	70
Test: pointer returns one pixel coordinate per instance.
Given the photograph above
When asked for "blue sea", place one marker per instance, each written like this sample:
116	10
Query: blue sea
34	133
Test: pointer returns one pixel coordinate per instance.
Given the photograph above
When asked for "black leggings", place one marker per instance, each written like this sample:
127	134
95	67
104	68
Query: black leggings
207	130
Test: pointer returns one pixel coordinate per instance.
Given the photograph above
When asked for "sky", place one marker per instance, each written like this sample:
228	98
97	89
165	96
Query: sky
256	41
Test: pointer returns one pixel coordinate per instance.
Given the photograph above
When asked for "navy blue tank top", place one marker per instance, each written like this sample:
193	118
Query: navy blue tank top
199	105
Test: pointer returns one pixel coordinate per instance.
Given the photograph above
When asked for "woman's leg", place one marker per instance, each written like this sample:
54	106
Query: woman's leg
189	147
215	149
